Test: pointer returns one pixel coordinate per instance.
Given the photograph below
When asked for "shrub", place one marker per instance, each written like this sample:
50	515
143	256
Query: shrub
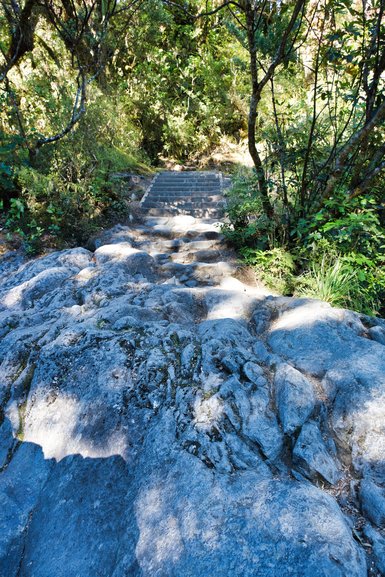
274	267
68	193
248	225
328	281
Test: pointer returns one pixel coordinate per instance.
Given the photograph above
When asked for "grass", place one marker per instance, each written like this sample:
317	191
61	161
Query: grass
330	282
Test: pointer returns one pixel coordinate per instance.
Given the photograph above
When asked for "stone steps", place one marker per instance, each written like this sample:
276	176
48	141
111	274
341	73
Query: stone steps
188	190
188	176
189	185
181	199
182	205
198	213
198	193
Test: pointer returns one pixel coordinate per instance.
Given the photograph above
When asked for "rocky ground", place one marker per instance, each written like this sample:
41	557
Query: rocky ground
159	418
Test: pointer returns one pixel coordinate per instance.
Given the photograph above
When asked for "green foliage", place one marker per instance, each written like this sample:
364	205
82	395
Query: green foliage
9	158
350	225
69	193
345	243
6	173
352	280
367	293
181	85
248	225
332	281
50	205
338	257
24	226
274	267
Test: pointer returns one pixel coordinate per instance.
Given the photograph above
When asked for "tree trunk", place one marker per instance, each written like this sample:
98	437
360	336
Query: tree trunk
355	141
252	120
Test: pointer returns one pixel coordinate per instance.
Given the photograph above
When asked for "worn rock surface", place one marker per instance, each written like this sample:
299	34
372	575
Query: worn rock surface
160	418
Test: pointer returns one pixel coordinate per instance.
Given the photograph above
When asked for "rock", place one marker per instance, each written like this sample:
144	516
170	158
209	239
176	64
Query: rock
303	333
28	293
188	359
231	332
373	502
21	484
254	373
377	334
64	422
358	413
261	320
75	258
232	300
6	442
311	458
127	322
267	527
206	272
82	521
178	312
136	262
378	544
143	422
335	381
207	256
294	396
231	363
260	351
116	234
261	426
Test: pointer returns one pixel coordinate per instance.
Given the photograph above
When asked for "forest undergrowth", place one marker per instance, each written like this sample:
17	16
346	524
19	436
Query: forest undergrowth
336	256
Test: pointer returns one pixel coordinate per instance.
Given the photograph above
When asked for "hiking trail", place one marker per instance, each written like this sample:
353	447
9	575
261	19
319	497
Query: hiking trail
161	418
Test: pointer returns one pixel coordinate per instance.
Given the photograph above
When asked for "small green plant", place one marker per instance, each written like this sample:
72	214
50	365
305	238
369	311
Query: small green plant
248	224
342	254
333	282
350	226
102	323
367	294
275	267
16	211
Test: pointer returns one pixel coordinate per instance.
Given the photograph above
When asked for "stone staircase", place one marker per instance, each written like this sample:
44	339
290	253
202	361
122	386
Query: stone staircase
196	193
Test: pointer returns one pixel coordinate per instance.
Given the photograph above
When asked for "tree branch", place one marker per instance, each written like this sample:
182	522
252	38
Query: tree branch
79	109
205	13
363	186
353	142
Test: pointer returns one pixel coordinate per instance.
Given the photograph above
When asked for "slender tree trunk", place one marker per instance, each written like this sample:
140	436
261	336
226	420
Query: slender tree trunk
282	162
352	145
319	35
374	73
22	22
252	119
281	150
